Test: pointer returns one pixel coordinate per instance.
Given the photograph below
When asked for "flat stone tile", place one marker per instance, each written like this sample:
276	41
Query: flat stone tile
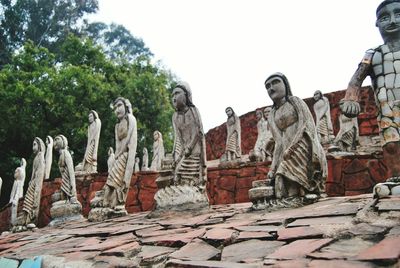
230	224
79	255
339	263
298	233
159	232
149	252
258	228
197	250
126	250
223	215
269	222
366	229
211	221
208	264
394	231
219	234
387	249
148	231
109	243
299	248
297	263
254	235
131	228
249	249
320	221
173	239
388	205
185	220
342	249
112	261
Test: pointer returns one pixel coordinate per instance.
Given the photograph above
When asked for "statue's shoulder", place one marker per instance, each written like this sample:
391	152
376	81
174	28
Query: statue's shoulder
369	54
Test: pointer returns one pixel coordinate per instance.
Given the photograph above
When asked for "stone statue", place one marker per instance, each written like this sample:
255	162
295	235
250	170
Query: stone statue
233	149
299	167
137	164
323	120
382	65
48	157
347	137
30	210
65	205
110	201
17	190
182	180
262	149
1	184
111	159
158	151
89	163
145	160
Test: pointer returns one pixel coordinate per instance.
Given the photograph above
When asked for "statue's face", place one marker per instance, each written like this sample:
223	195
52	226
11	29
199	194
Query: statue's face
229	112
17	173
388	20
57	143
259	115
91	118
266	112
47	140
155	136
178	98
276	88
317	95
137	159
35	147
119	110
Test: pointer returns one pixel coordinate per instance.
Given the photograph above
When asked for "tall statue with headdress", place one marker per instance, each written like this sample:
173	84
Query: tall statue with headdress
89	162
17	190
158	151
48	158
182	181
233	149
65	205
110	201
323	120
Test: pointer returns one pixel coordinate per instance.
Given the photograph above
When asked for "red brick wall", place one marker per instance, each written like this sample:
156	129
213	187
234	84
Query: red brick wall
216	137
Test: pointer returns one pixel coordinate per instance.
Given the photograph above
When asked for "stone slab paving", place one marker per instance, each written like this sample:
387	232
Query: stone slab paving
334	232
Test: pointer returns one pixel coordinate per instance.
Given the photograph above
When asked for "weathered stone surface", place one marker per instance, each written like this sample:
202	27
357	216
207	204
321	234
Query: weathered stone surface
254	235
320	221
150	252
299	248
298	233
367	229
339	263
173	239
249	249
126	250
219	234
208	264
387	249
197	250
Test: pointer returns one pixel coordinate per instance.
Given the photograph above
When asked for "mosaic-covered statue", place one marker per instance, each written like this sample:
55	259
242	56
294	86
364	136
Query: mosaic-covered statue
30	210
89	163
17	190
158	151
299	167
233	149
110	201
182	181
66	206
48	158
323	120
382	64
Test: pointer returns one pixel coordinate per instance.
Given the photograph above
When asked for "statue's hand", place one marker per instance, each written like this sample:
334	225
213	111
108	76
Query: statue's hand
350	108
271	174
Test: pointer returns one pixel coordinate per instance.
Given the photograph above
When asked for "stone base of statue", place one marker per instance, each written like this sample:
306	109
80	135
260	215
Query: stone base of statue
260	194
64	210
390	187
231	163
82	175
100	213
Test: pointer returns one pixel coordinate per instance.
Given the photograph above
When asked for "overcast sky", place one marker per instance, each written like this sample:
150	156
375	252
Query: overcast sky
225	49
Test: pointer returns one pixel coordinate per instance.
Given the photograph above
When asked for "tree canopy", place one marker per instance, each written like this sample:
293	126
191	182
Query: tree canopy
53	73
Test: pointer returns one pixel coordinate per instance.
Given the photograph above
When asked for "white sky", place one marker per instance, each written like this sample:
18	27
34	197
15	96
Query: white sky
225	49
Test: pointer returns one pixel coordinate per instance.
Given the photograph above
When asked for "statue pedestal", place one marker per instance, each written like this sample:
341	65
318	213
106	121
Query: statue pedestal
64	211
101	214
261	194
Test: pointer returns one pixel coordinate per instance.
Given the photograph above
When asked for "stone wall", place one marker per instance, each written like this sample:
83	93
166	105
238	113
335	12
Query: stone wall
216	137
349	175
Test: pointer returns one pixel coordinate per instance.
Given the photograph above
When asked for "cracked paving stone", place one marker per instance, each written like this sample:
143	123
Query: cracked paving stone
342	249
197	250
219	234
249	249
299	248
298	233
387	249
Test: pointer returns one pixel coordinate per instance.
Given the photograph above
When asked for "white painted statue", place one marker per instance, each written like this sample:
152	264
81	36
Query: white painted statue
48	157
145	160
17	190
111	159
158	151
233	138
323	120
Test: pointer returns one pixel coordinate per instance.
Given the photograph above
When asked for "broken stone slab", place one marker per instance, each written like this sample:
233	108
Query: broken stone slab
299	248
253	248
298	233
320	221
219	234
127	250
208	264
254	235
339	263
153	254
197	250
179	239
387	249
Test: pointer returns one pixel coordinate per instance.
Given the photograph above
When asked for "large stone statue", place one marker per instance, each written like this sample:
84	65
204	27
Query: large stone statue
30	210
17	190
110	201
323	120
89	163
145	160
182	181
299	167
158	151
65	205
382	65
233	149
48	157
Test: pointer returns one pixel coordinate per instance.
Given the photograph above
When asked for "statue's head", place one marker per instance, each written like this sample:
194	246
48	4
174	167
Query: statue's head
182	96
229	111
19	172
259	115
157	136
267	110
49	140
388	19
137	159
278	87
317	95
110	151
92	116
38	145
144	150
60	142
122	107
